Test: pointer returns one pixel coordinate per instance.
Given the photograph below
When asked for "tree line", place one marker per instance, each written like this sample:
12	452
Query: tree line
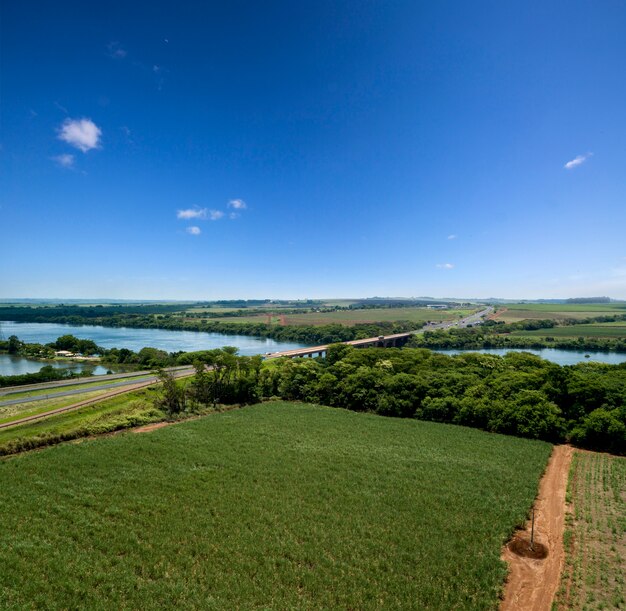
518	394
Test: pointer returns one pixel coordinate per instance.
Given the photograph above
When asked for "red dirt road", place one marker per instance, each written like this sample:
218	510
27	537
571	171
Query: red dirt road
532	583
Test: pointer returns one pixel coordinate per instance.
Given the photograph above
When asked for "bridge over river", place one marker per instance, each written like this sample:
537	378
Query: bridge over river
382	341
385	341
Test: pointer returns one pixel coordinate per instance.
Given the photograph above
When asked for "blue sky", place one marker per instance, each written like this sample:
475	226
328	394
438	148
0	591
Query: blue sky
203	150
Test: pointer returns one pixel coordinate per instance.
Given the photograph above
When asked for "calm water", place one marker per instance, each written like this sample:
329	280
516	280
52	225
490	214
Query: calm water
18	365
561	357
136	339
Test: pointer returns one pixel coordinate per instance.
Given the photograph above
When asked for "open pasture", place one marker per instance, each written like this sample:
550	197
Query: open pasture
534	311
275	506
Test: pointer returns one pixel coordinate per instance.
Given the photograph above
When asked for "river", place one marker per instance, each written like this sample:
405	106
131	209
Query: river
560	357
136	339
19	365
173	341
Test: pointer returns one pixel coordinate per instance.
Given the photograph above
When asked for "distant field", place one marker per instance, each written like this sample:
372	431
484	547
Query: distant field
524	311
276	506
353	317
613	329
595	536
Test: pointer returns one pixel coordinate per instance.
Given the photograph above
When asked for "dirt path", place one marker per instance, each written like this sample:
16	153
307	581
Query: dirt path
495	315
533	582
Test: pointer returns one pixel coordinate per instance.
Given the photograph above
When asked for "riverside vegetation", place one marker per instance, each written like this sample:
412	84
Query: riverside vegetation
517	394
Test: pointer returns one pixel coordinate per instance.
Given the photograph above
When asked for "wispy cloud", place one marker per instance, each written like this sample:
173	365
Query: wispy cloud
83	134
192	213
445	265
201	214
237	204
578	160
116	51
193	230
452	236
66	160
233	215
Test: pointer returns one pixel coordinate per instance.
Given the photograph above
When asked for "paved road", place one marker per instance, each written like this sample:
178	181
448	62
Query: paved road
9	390
76	391
137	386
473	319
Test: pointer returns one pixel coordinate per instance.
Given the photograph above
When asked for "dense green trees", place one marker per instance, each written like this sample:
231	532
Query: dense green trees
518	394
490	336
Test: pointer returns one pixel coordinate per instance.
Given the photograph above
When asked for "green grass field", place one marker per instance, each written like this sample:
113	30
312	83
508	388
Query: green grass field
524	311
276	506
605	330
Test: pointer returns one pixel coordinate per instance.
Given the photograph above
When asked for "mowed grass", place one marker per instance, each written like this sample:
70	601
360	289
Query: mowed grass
353	317
524	311
123	411
22	410
275	506
595	537
74	385
605	330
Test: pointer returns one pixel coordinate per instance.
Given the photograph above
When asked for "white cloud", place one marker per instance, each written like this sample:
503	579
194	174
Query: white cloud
115	50
452	236
66	160
444	265
83	134
578	160
192	213
194	230
200	213
234	215
237	204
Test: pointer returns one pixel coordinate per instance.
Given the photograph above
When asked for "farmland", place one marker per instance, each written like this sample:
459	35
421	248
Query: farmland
354	317
595	537
558	312
279	505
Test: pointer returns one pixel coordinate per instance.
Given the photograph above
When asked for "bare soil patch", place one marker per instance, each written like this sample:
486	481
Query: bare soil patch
151	427
497	314
533	581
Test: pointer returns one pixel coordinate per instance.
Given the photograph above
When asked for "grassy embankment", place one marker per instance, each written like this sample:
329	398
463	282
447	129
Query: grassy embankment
595	537
124	411
71	385
275	506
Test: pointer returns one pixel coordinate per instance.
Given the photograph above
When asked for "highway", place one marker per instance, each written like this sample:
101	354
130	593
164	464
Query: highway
107	395
8	390
77	391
